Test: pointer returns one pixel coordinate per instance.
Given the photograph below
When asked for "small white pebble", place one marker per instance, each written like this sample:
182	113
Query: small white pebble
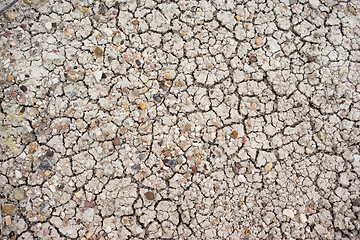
289	213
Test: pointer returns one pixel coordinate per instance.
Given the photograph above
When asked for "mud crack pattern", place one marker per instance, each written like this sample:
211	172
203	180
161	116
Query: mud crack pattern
180	119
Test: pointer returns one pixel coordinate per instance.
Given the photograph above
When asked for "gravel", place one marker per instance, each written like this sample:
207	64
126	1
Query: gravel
180	120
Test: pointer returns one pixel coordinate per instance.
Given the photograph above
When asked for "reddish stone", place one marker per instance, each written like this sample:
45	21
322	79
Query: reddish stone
88	204
234	134
150	195
116	141
253	59
167	154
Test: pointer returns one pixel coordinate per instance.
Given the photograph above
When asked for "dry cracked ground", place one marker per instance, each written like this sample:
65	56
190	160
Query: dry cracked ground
150	119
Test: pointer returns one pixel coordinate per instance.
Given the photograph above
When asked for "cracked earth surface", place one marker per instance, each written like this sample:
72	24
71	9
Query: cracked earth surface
180	120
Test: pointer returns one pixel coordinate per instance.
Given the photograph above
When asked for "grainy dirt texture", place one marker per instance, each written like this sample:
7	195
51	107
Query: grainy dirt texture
142	119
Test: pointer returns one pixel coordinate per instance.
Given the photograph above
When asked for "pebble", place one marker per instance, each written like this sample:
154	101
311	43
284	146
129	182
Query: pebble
345	136
310	210
88	204
142	105
303	218
32	147
23	88
98	51
352	10
253	106
268	166
253	59
356	202
12	235
11	15
116	141
259	41
194	169
209	66
167	75
150	196
7	220
73	93
311	59
135	22
234	134
157	97
289	213
49	153
177	168
8	208
78	194
19	194
136	167
72	75
167	154
188	127
9	78
172	163
46	164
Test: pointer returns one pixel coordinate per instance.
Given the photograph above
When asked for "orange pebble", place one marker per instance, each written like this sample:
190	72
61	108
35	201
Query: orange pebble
7	220
142	105
253	106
